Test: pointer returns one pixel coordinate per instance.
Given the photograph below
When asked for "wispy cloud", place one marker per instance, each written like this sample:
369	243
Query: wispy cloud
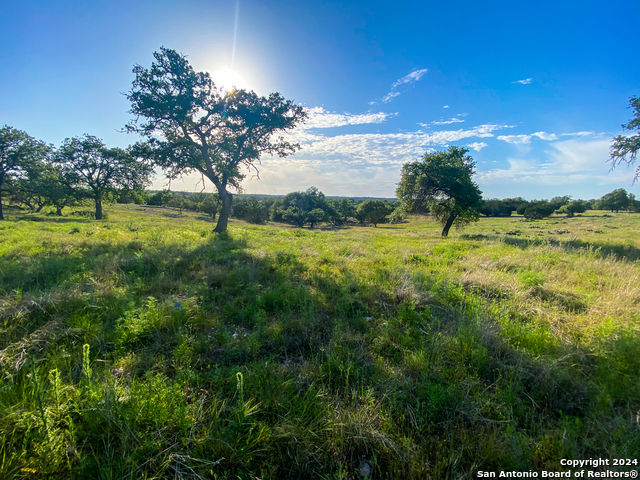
410	78
526	139
321	118
477	146
442	122
389	96
461	114
446	106
574	161
525	81
515	139
579	134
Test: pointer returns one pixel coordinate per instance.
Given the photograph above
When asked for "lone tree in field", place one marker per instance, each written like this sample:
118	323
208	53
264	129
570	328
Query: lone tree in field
441	182
94	171
374	211
192	125
625	148
18	152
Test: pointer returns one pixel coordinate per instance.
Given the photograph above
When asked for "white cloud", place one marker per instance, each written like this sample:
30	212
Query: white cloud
442	122
320	118
446	106
389	96
575	161
378	149
525	81
545	136
477	146
410	78
447	122
579	134
516	139
461	114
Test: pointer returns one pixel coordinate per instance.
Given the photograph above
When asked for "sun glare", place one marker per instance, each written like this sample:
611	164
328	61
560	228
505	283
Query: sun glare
229	80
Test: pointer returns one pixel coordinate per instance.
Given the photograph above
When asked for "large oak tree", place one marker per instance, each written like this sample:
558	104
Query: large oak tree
192	125
441	184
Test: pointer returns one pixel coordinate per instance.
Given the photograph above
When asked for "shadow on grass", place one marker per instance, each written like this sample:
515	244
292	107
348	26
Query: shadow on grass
52	219
620	252
340	367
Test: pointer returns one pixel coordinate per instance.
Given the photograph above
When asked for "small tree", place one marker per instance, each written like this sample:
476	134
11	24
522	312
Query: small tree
18	152
94	171
398	215
539	210
210	205
571	208
614	201
344	207
558	202
160	198
442	183
192	125
177	201
625	148
374	211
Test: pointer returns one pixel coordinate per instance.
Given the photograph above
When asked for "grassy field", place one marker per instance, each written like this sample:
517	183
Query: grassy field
143	346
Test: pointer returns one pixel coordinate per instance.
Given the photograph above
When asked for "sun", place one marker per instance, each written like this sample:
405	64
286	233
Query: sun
229	80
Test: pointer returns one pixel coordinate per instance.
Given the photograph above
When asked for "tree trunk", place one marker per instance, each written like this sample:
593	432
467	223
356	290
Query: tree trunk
225	211
59	210
447	226
98	208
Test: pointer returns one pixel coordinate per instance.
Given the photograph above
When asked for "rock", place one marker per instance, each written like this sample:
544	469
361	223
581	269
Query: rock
364	470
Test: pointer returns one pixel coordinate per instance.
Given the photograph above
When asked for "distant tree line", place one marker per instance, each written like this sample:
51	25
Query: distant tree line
618	200
308	208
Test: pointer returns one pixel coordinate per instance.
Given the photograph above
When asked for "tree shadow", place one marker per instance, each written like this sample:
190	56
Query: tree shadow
620	252
210	311
39	218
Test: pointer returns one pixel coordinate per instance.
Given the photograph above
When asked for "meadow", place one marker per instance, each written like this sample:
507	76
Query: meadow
144	346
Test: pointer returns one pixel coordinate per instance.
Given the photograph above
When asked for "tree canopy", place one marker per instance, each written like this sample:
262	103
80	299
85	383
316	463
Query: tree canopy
192	125
92	170
625	147
614	201
441	183
374	211
18	152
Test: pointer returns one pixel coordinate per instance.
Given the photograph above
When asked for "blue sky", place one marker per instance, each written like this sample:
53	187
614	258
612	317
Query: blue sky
535	89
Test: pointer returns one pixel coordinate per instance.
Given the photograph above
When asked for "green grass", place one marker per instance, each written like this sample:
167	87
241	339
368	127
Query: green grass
143	346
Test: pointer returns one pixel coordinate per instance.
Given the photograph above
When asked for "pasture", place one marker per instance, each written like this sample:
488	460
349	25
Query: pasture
143	346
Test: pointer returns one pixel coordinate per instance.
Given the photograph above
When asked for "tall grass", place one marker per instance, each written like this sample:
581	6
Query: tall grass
145	347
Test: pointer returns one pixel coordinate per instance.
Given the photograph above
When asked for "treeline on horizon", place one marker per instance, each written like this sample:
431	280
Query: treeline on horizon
313	207
308	208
